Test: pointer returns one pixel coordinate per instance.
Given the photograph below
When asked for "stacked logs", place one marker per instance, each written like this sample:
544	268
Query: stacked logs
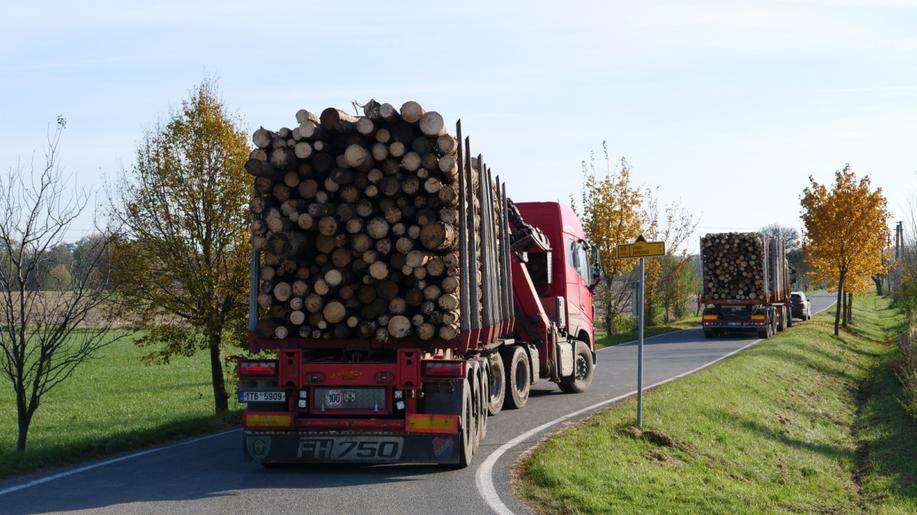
733	266
356	220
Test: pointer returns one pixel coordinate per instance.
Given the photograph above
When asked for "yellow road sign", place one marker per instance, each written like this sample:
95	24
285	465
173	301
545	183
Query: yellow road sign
641	249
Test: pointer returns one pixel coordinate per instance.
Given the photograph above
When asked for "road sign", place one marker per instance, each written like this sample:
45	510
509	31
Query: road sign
641	249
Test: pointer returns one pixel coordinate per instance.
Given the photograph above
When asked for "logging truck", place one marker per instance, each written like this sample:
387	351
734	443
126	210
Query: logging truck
406	297
746	284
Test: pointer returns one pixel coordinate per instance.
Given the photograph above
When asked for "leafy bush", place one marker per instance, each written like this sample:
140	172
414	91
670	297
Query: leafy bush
624	324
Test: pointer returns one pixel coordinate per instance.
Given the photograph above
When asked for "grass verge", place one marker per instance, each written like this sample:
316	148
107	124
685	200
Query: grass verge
112	403
603	339
804	422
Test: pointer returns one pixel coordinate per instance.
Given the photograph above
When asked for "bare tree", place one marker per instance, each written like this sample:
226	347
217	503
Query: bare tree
789	235
39	337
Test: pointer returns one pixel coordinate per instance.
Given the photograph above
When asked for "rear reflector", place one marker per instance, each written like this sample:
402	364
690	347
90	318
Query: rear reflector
267	420
448	424
711	318
444	368
257	368
757	317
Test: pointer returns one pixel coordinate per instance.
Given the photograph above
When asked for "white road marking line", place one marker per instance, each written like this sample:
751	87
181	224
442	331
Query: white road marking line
59	475
484	478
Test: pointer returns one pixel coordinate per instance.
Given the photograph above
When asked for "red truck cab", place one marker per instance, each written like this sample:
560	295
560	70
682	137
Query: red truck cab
572	275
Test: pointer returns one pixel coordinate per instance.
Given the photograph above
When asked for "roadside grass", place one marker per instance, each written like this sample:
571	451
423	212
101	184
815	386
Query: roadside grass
112	403
603	339
804	422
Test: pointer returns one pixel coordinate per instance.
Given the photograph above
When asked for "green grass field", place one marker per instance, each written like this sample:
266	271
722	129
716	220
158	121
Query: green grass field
603	339
112	403
804	422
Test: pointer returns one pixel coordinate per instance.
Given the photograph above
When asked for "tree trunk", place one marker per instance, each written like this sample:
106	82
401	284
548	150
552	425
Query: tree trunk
839	305
609	318
843	308
849	307
216	371
25	420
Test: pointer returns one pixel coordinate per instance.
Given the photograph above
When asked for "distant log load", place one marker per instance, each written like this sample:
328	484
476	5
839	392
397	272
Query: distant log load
734	267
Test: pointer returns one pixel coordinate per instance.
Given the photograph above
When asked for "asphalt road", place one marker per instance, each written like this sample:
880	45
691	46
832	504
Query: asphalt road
209	475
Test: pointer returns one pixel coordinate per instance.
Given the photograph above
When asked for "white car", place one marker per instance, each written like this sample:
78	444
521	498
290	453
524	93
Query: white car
801	306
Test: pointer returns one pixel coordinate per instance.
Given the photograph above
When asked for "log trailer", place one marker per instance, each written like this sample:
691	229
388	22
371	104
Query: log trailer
411	401
764	313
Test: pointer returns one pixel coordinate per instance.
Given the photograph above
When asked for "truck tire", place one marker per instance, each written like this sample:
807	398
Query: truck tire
467	433
781	321
583	370
518	377
497	381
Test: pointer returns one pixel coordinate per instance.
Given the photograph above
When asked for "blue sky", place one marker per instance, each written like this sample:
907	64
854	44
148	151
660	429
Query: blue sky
727	106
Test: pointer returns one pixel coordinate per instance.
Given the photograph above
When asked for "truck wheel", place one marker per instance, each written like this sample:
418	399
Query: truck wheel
789	318
467	435
497	380
518	377
582	370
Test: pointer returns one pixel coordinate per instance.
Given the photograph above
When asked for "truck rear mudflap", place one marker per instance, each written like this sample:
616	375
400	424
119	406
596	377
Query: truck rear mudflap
350	447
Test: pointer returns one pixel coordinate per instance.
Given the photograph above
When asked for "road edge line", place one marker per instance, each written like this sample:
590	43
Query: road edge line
483	477
111	461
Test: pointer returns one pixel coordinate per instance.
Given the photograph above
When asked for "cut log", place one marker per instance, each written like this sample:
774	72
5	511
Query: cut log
303	150
364	126
334	312
399	326
336	120
262	138
356	155
432	124
378	270
411	111
426	331
438	236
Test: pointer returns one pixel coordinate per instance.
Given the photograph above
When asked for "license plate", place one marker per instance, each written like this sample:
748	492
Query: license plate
262	396
357	448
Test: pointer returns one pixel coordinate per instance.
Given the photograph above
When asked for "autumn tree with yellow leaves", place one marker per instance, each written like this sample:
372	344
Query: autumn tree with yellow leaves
612	213
182	264
846	228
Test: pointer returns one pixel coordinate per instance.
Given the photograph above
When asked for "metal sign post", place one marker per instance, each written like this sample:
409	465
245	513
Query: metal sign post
642	249
640	350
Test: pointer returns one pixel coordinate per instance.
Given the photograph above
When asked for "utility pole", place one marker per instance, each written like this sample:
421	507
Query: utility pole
899	242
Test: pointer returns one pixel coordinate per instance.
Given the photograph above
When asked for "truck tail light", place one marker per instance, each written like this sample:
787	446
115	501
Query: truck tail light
444	368
711	318
417	423
757	318
257	368
384	377
267	420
